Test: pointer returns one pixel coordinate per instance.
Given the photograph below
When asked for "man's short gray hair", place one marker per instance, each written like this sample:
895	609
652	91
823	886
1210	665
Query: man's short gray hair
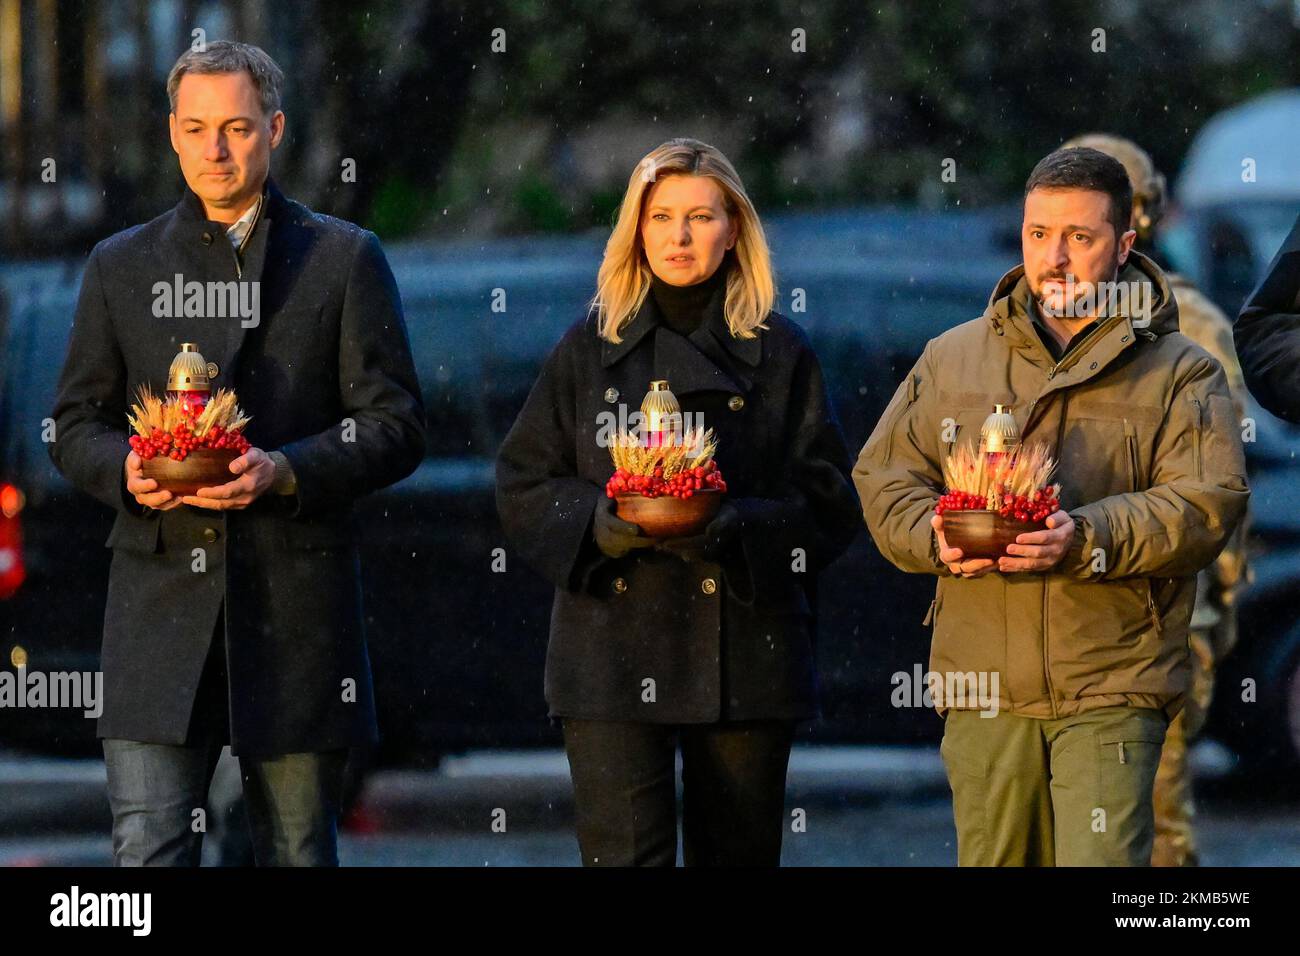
229	56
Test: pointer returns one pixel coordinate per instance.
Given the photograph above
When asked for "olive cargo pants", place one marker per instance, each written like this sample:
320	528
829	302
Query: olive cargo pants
1073	791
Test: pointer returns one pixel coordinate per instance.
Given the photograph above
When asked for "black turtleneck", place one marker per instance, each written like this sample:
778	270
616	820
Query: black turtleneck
683	307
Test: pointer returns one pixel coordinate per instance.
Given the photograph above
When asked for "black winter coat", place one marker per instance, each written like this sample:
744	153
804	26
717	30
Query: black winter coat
1267	334
652	636
330	346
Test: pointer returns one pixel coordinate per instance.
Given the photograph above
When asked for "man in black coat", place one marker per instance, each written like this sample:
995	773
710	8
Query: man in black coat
1267	334
234	615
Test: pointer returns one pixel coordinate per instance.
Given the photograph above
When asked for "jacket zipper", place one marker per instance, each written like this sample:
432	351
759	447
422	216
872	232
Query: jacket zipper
1073	356
1047	620
1055	366
1047	670
1077	352
1196	440
1029	415
1155	616
933	613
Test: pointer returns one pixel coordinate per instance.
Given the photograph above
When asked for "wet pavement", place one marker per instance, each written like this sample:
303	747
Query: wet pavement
859	806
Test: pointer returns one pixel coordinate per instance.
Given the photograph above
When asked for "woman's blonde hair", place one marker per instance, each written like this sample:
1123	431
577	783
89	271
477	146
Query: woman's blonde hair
624	277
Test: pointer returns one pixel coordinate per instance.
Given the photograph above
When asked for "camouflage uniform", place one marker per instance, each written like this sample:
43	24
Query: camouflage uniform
1213	630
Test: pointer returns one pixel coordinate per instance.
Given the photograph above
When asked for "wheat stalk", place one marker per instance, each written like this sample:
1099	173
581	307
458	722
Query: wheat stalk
146	414
1023	472
692	449
152	411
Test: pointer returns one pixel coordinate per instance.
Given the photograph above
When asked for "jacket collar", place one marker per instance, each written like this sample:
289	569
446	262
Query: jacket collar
710	358
1008	313
190	225
190	218
1009	306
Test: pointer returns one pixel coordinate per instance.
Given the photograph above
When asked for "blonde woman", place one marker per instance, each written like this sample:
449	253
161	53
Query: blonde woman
705	642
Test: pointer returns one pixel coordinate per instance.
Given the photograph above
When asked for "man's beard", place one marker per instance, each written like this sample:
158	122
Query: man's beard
1072	293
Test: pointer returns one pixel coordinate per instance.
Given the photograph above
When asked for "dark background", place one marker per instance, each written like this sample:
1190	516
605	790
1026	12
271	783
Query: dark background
453	139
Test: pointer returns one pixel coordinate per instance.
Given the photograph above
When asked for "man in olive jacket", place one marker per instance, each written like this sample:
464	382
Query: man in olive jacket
1213	630
1080	631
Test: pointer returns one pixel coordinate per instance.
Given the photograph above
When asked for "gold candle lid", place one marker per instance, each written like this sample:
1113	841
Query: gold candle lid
189	372
660	408
999	432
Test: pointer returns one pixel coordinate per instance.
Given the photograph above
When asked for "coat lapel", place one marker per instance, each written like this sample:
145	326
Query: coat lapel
255	256
686	368
642	323
710	359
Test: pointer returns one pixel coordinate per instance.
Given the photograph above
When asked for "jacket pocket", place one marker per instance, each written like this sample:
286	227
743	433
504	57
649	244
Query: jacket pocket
1131	456
1131	733
130	533
913	389
1133	747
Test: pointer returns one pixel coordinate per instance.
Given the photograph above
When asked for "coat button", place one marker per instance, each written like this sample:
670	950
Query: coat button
619	585
210	535
207	238
708	585
736	403
611	395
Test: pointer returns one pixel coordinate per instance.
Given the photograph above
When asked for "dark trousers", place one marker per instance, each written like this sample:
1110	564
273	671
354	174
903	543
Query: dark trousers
625	793
158	792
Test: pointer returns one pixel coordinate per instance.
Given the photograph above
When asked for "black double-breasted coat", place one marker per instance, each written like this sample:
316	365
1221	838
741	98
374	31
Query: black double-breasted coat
325	372
653	636
1267	333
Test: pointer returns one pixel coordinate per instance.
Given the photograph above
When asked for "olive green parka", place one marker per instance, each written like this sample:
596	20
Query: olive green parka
1143	427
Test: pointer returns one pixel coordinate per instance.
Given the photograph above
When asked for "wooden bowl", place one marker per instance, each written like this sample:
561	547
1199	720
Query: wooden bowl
669	517
202	468
983	534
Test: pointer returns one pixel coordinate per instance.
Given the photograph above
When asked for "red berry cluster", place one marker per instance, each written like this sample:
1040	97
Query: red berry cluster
1034	508
960	501
684	484
178	444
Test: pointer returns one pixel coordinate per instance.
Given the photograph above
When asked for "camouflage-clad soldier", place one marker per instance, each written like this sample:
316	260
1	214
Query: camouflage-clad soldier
1213	630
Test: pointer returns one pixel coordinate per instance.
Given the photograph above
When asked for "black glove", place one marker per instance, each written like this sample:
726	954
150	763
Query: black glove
712	542
614	536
